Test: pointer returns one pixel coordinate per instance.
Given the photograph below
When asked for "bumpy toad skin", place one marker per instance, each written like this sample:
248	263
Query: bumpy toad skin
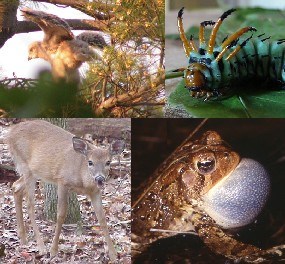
173	200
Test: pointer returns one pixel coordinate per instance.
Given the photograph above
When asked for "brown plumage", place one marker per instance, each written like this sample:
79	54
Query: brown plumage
59	47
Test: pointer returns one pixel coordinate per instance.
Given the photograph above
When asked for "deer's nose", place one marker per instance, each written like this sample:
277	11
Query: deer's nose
100	180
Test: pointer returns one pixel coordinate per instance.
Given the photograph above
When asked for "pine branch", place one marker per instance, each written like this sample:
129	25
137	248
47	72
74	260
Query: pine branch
132	97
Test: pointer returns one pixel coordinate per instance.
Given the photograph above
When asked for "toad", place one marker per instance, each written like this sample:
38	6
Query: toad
206	186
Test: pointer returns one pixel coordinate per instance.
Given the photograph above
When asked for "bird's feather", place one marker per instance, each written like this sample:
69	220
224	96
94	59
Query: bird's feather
56	29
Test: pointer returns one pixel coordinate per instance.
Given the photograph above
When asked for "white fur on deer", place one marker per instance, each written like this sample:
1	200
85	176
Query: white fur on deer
60	48
43	151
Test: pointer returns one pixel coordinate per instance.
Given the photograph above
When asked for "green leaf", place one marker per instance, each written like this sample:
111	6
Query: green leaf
244	104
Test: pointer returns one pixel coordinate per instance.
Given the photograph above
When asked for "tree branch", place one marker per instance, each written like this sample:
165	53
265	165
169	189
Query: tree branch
75	24
8	20
130	96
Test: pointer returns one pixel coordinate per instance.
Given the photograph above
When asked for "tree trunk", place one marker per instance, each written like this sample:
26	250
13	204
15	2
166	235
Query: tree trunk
50	209
8	19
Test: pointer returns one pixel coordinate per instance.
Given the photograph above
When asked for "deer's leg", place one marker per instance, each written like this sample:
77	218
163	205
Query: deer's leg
19	190
61	214
97	205
30	191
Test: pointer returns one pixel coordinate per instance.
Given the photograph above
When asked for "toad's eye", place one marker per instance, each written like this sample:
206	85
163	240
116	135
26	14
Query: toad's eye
206	165
108	163
90	163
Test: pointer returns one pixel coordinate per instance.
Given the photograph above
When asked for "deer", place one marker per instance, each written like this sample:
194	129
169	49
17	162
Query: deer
42	151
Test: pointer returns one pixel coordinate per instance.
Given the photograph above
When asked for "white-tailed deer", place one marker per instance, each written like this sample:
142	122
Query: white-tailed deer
43	151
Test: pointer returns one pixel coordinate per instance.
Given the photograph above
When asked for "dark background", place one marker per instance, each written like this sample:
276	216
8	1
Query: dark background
260	139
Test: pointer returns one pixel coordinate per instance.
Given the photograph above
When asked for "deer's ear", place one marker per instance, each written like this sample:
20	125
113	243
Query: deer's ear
80	145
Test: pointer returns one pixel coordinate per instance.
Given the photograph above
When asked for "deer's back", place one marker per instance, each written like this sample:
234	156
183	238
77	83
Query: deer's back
43	149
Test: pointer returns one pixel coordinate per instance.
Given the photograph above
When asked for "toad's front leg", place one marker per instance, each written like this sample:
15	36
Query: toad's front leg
221	243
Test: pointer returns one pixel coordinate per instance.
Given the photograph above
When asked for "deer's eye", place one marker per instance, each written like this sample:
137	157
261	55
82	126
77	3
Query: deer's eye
108	163
90	163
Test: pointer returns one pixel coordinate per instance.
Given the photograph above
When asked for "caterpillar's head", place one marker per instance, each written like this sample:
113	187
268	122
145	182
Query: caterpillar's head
195	80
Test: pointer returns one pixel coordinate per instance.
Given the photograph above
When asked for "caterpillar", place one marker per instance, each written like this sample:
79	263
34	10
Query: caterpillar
215	70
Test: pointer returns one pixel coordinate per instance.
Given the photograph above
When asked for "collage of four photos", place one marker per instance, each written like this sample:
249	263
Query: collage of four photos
137	131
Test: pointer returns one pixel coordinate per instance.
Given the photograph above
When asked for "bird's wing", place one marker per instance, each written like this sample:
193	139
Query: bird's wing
94	39
56	29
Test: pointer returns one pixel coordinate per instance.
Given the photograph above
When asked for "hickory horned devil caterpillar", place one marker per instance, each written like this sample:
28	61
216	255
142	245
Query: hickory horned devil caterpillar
214	70
206	184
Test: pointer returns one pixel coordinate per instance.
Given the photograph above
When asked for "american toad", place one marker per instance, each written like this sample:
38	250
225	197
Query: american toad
183	194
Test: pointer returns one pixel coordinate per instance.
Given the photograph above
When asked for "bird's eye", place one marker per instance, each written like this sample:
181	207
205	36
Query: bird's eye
206	165
108	163
90	163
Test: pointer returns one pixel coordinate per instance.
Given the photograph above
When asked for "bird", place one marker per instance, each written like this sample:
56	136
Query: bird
60	47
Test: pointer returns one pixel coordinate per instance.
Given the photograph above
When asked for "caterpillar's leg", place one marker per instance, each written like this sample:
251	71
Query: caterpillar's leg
215	29
188	46
231	41
203	24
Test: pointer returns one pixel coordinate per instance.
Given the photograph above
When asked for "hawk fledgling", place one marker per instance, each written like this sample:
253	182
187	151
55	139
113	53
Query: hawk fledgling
60	47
